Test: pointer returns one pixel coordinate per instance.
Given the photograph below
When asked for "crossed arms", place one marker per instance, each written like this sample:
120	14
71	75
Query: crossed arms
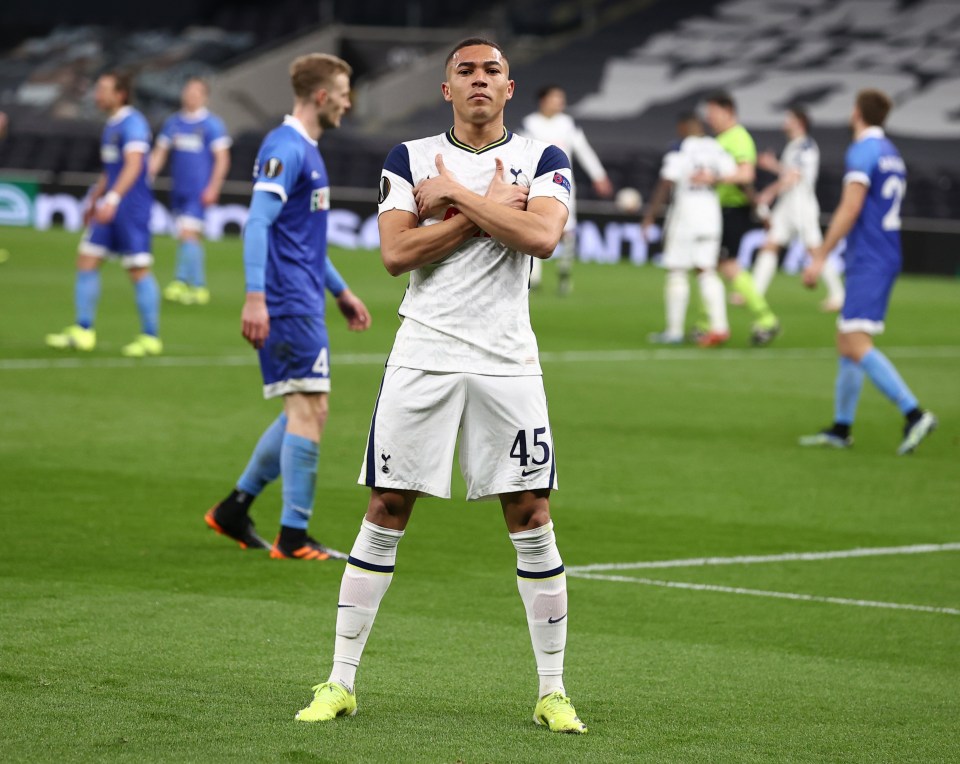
503	212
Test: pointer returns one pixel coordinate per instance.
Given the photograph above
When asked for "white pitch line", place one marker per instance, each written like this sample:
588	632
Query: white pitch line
695	562
762	593
570	356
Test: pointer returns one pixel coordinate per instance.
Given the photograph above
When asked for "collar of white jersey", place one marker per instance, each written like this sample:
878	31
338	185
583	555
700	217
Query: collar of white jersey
296	124
505	138
120	115
195	116
871	132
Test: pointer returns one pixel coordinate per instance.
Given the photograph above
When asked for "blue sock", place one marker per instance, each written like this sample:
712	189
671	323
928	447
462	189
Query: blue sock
148	304
191	262
884	375
298	464
86	295
264	465
182	272
847	392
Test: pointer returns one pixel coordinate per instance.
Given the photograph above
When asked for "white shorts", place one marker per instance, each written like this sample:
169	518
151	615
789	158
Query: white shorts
796	221
506	443
686	252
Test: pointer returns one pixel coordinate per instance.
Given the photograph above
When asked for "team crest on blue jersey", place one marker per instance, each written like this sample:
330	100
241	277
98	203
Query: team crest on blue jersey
273	167
384	189
561	181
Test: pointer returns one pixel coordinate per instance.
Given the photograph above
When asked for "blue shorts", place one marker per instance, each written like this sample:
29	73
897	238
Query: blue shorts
296	357
867	299
129	239
187	209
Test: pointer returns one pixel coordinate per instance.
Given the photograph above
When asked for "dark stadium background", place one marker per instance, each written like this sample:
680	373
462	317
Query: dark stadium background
51	52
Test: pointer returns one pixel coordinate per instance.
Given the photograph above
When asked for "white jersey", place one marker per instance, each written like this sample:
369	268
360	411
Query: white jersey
695	209
469	312
803	155
561	131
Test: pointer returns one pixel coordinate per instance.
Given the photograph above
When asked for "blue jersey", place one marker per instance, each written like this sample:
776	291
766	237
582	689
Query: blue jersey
126	131
192	138
874	241
290	166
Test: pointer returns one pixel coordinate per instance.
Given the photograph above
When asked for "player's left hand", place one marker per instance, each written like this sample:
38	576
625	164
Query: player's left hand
703	178
353	309
435	194
105	212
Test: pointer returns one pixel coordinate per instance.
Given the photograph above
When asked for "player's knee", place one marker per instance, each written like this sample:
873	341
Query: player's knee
526	510
390	509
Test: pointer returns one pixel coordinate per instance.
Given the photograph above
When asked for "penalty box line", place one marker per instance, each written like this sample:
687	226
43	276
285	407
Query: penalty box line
590	572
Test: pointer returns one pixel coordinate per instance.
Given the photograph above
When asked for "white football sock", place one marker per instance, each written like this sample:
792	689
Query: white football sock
764	269
676	297
564	254
365	580
713	297
543	589
834	283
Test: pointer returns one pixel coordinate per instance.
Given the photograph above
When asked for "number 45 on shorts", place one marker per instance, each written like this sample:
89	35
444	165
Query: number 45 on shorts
537	454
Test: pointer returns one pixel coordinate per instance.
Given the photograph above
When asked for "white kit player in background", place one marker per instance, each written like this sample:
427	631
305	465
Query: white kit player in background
796	213
464	213
551	124
691	232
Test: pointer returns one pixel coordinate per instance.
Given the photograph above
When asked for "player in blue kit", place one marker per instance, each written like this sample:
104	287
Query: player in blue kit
287	270
869	216
198	146
118	223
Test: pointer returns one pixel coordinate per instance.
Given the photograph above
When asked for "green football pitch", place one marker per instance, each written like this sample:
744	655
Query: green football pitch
700	630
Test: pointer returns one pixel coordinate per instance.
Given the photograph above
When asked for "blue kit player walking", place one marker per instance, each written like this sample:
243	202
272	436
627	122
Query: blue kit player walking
287	270
118	223
869	216
198	146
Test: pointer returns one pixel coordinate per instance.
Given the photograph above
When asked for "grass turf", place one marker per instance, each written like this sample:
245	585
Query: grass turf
128	631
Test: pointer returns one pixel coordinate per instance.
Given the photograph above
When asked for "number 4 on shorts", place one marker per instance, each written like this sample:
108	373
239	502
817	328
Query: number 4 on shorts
322	364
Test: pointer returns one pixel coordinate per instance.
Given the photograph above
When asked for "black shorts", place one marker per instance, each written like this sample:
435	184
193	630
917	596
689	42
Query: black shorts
736	222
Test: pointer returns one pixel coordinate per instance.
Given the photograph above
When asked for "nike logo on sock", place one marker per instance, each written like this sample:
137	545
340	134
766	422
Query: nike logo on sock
556	620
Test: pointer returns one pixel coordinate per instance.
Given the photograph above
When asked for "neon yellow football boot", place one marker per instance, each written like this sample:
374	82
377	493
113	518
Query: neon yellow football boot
73	338
175	291
557	712
199	295
142	346
330	700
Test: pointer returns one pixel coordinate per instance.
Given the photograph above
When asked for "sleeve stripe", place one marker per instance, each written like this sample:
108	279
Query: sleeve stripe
224	142
551	160
142	146
275	188
398	162
856	176
163	141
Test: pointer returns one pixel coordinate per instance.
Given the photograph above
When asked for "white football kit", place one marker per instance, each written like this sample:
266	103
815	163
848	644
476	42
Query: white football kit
796	213
694	223
465	355
561	131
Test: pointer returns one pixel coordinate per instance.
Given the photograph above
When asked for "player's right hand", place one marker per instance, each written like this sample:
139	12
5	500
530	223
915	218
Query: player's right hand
255	320
504	193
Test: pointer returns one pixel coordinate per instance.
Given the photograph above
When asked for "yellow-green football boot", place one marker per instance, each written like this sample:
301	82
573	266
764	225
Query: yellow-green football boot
557	712
175	291
73	338
199	295
142	346
330	700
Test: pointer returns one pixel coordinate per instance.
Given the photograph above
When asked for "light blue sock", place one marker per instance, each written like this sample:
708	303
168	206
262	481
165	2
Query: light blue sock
298	464
148	304
191	257
86	295
884	375
847	392
182	272
264	465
